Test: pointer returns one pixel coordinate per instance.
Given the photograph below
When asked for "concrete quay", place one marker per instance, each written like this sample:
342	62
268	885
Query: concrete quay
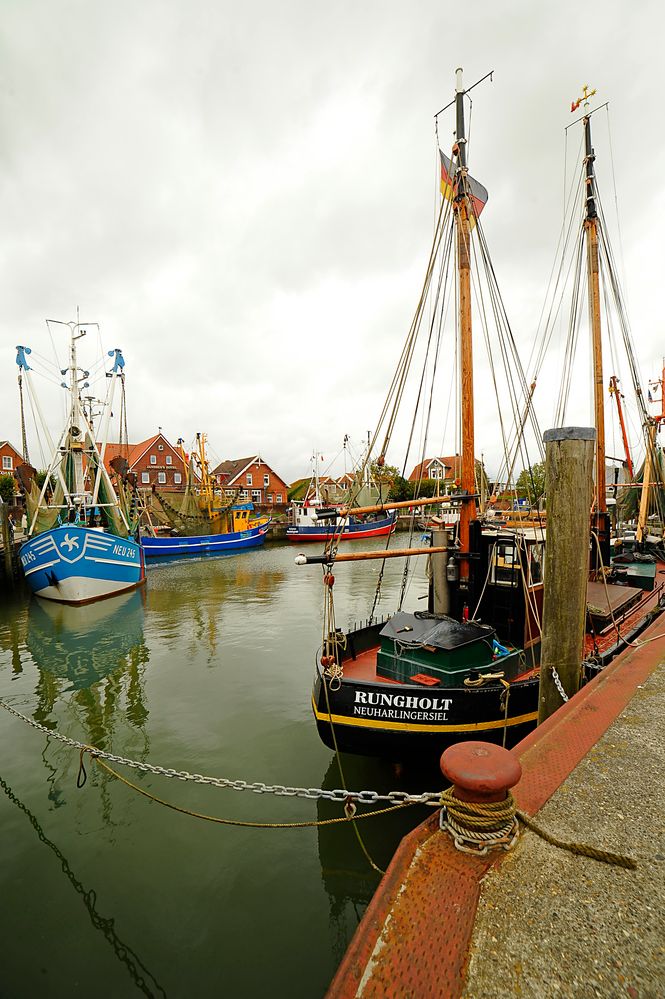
540	922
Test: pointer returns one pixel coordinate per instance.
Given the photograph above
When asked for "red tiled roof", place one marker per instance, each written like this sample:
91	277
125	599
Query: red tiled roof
452	463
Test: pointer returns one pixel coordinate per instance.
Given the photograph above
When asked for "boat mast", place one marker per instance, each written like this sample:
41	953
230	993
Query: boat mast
75	442
614	390
591	230
461	209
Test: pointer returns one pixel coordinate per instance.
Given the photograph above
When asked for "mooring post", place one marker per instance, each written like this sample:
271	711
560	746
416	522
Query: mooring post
440	595
7	542
569	454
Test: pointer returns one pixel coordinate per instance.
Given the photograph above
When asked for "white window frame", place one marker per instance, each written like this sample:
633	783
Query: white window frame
266	481
278	498
169	459
249	479
161	478
7	463
153	459
256	495
145	477
177	478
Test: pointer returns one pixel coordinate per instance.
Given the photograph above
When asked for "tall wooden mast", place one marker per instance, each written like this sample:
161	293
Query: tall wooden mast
462	218
591	229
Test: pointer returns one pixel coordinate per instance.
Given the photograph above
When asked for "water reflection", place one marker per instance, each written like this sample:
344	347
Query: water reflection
345	850
96	655
144	980
84	644
200	599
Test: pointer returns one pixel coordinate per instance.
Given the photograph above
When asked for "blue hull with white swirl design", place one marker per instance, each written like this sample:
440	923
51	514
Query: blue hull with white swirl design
76	565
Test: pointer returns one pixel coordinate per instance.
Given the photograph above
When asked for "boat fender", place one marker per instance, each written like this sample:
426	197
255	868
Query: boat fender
499	650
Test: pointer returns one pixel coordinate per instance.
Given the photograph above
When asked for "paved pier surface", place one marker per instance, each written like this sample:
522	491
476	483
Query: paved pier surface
553	924
540	922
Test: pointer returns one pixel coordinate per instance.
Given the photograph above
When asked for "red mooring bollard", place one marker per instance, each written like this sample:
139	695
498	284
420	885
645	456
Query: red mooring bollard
480	771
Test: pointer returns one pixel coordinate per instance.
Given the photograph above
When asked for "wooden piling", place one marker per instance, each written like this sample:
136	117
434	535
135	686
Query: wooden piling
440	594
569	484
7	542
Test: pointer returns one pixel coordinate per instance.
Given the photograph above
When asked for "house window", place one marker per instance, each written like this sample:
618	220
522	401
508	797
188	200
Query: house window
169	459
177	478
249	478
161	478
230	493
145	476
278	498
160	447
256	495
269	498
153	459
6	462
244	495
266	481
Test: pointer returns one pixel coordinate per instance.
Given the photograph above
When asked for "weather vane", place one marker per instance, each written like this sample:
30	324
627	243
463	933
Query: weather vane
586	94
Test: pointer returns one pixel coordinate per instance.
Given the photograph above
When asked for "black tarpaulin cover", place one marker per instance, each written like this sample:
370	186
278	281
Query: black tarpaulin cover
438	631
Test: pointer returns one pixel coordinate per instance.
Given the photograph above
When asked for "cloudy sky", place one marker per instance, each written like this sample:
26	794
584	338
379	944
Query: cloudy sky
242	195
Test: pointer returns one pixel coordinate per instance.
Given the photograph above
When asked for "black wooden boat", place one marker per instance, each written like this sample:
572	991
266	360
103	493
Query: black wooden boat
469	666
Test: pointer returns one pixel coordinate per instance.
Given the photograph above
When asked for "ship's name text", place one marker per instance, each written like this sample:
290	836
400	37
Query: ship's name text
401	706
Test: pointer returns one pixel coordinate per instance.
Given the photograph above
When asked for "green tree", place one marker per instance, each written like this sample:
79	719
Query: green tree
40	479
531	483
384	473
7	489
400	489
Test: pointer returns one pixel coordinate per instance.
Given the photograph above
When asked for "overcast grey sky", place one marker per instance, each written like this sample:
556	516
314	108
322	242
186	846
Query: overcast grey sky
242	194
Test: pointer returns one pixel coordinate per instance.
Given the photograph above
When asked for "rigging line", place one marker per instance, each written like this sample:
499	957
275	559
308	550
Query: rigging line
396	389
562	279
572	334
501	312
616	200
559	253
440	295
618	294
563	275
625	328
506	344
484	326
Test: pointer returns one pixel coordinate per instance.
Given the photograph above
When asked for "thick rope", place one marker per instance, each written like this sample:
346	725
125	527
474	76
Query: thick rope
493	816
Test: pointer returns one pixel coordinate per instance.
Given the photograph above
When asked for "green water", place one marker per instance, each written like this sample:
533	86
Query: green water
105	893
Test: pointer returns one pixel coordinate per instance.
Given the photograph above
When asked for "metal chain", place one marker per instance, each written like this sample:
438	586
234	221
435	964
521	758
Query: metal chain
257	787
559	685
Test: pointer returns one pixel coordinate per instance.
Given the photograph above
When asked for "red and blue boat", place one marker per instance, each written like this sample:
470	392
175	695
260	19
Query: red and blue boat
317	522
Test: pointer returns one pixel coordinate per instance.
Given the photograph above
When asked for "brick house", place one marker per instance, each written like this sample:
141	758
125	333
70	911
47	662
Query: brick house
251	480
154	461
10	458
447	469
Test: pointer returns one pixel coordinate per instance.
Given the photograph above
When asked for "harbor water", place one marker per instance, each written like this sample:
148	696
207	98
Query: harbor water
208	669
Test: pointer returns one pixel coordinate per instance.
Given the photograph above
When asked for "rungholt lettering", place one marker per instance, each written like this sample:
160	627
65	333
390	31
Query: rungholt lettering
402	701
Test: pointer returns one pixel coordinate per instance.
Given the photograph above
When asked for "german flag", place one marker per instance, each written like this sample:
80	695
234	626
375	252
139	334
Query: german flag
478	193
